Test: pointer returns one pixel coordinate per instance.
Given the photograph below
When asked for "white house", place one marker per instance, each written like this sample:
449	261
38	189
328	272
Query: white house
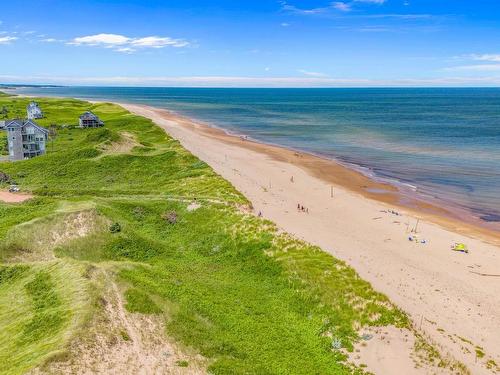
34	111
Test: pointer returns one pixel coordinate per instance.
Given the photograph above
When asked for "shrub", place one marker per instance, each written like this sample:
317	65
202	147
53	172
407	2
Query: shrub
115	228
170	217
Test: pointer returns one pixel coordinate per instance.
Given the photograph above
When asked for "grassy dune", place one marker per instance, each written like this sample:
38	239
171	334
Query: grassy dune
227	285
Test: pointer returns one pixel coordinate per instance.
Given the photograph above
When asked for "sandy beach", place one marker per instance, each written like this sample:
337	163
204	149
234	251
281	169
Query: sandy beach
451	297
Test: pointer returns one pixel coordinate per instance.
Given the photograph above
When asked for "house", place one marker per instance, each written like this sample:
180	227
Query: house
89	120
26	139
34	111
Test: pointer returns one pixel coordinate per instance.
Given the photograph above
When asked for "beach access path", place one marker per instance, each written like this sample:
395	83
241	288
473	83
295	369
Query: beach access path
449	295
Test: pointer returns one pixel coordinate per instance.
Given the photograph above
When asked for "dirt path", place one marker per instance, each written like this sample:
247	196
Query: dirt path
8	197
118	342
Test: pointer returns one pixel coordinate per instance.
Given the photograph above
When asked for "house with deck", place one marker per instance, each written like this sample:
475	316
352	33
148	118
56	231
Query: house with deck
34	111
90	120
26	139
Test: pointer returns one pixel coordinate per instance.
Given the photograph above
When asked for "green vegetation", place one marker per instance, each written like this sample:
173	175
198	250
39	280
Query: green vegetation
227	284
4	147
39	304
479	352
182	363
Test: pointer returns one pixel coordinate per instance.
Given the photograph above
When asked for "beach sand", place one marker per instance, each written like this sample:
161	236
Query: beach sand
453	298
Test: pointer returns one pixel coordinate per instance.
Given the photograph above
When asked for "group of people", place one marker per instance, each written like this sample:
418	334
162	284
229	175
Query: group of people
301	208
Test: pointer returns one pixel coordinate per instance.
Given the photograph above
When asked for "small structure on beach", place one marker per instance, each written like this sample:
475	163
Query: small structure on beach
90	120
34	111
26	139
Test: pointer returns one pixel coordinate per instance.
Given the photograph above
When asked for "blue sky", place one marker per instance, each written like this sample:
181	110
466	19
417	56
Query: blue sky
251	43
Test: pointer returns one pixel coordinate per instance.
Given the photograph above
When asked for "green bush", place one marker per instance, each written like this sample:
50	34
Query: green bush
115	228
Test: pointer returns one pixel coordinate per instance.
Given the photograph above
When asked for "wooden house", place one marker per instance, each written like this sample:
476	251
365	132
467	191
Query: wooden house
26	139
90	120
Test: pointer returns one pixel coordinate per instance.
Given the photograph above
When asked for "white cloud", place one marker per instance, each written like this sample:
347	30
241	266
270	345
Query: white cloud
293	9
422	16
344	7
125	50
7	39
285	24
49	40
486	57
101	39
371	1
312	74
476	68
158	42
122	43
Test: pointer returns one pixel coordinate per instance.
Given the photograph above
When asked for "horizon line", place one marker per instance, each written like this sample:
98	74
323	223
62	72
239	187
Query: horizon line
13	86
247	81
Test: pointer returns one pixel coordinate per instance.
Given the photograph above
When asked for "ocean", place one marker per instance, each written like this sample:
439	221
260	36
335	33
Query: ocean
442	143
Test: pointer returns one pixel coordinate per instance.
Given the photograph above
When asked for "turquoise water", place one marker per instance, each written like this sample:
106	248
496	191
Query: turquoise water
443	143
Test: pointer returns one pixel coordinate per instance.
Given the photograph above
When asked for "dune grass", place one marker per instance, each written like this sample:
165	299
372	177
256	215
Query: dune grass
39	305
227	284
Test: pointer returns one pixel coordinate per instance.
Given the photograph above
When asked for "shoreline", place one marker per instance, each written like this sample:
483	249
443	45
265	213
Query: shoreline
447	294
400	194
352	178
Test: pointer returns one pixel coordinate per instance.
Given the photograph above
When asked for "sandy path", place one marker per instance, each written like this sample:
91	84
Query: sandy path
436	286
8	197
118	342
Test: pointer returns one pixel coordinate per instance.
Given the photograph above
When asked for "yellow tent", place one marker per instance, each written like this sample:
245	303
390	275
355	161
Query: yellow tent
460	247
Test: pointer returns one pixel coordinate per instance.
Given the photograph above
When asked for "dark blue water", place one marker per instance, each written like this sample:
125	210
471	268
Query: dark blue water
445	142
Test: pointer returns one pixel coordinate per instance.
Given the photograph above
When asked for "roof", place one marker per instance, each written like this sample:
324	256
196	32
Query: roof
22	123
32	104
89	116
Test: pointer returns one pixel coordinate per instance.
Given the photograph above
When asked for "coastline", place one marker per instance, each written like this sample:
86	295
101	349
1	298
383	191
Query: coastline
350	177
444	291
457	209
